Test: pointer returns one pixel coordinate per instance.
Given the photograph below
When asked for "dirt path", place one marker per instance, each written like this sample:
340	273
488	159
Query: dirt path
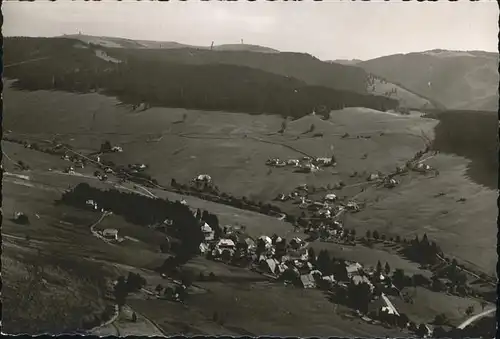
475	317
122	325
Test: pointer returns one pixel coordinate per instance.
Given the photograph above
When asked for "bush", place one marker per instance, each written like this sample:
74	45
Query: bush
440	320
22	219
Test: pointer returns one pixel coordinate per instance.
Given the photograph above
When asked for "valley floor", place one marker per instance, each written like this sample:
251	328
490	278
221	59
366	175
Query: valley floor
56	260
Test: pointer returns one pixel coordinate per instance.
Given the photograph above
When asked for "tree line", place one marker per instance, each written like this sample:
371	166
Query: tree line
145	211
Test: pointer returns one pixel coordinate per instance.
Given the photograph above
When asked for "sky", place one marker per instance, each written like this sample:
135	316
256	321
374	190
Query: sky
331	29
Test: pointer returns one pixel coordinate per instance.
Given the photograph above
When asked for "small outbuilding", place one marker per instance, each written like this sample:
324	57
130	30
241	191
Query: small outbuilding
110	234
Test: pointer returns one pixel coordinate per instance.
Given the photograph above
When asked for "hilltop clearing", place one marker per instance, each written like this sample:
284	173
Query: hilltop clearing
113	42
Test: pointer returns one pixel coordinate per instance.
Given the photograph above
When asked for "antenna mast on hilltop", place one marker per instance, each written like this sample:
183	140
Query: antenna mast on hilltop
242	41
212	46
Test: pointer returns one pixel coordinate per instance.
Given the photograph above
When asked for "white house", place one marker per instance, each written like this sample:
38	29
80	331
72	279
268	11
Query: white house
225	243
268	242
330	197
324	161
391	183
208	232
352	206
353	269
203	178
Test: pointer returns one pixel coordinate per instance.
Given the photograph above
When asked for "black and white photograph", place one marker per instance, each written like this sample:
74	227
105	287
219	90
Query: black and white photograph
250	168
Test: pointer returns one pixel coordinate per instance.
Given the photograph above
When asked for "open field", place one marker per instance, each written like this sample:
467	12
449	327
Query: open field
427	304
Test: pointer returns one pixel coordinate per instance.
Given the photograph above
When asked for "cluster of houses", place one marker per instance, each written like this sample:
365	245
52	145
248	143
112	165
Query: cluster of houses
116	149
292	264
100	176
204	182
202	178
136	168
422	168
304	165
328	207
78	162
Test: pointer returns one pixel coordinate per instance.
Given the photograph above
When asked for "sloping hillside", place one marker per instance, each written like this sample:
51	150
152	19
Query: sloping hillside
458	80
408	99
146	78
338	74
295	65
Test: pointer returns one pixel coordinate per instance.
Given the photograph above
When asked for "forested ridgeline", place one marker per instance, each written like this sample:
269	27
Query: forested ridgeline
301	66
168	84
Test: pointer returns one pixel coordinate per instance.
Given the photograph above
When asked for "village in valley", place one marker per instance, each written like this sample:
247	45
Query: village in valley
314	215
238	190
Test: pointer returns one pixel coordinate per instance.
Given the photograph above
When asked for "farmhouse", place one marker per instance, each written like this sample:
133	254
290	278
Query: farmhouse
307	168
307	281
296	243
264	239
203	248
203	178
272	266
326	213
391	183
110	234
207	232
422	168
352	206
359	279
353	269
323	161
92	204
246	244
389	307
330	197
225	244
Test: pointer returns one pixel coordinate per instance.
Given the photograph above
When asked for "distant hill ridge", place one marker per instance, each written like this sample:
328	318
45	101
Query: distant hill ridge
112	42
388	76
336	75
458	79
